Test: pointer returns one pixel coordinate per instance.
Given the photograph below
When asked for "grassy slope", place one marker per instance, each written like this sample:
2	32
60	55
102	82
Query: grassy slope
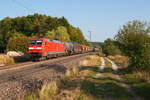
137	80
93	85
139	86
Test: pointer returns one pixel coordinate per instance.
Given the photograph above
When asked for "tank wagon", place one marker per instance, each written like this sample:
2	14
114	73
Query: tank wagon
46	48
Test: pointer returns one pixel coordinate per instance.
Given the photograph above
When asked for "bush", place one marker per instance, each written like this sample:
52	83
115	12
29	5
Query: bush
18	43
100	53
109	47
6	60
135	42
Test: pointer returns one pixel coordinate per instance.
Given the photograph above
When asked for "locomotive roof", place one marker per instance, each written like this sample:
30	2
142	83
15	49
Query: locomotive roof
56	41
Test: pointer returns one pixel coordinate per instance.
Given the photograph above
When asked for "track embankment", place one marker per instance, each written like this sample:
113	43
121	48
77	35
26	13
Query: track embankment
26	78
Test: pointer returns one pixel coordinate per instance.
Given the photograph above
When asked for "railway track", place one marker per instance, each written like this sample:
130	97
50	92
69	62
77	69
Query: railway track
31	67
6	67
33	74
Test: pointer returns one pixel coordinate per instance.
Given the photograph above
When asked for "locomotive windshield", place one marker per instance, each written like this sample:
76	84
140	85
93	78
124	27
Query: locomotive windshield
35	42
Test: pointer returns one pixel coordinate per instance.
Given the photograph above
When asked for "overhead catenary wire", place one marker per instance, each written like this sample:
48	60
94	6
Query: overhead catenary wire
23	5
18	2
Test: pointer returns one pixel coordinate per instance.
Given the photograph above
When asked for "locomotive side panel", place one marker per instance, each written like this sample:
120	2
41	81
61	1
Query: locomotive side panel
55	49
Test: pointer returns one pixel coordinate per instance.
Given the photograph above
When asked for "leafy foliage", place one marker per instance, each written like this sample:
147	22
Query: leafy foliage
18	43
135	42
75	33
109	47
59	34
50	34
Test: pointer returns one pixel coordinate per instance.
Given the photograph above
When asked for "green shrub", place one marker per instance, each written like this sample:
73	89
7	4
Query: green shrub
109	47
18	43
135	42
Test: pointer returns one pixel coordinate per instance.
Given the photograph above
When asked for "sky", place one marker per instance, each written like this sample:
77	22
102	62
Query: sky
102	17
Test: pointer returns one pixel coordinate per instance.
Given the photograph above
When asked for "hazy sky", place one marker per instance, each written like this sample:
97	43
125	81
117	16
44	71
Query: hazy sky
103	17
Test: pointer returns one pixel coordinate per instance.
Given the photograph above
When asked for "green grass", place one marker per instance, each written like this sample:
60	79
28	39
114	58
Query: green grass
106	90
107	63
132	79
140	86
31	97
105	87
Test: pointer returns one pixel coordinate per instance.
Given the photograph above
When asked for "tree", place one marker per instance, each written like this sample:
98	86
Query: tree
50	34
18	43
62	34
76	35
109	47
135	42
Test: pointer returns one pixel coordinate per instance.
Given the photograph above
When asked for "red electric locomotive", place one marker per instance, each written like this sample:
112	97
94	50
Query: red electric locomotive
46	48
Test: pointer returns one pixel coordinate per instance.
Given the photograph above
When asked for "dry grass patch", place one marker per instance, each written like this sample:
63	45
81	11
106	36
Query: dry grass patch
91	60
56	90
4	59
145	75
121	61
72	88
48	90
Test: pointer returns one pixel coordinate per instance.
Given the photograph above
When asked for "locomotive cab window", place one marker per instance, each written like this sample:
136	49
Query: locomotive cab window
35	42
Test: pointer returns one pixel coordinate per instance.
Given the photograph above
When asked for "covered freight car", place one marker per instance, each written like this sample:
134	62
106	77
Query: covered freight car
90	49
77	48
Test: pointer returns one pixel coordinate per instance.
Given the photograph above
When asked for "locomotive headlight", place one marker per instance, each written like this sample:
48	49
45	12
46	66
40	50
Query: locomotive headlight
38	48
31	48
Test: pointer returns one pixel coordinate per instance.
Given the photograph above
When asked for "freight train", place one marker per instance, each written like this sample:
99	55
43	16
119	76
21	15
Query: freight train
44	48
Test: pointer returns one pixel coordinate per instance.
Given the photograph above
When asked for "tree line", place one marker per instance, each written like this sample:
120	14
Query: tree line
36	26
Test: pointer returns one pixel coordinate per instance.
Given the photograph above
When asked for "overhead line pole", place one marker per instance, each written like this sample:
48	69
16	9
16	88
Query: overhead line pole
90	34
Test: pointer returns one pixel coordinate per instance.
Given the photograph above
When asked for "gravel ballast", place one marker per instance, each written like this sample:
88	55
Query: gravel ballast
18	82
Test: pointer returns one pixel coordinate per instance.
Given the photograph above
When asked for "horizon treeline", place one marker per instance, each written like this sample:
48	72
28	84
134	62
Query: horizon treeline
36	26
